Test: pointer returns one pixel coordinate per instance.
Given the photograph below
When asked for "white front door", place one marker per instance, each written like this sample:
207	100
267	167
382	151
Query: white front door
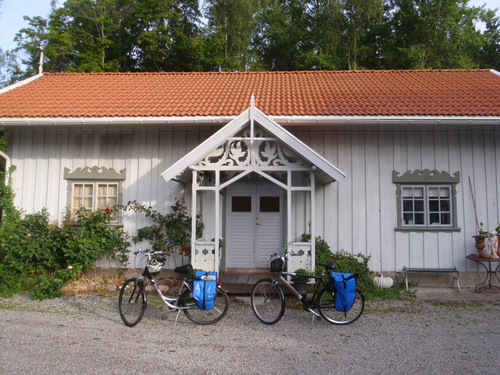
254	224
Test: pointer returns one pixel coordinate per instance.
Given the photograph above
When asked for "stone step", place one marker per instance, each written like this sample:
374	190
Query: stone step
241	282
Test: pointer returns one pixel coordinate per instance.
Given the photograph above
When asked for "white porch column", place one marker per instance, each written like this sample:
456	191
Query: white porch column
217	220
289	210
194	190
313	220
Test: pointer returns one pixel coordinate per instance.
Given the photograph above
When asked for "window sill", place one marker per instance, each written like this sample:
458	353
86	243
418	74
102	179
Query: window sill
427	229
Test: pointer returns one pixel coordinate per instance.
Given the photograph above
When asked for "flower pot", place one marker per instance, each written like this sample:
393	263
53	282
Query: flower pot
480	245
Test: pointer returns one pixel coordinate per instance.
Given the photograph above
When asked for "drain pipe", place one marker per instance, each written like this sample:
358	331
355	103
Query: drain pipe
7	166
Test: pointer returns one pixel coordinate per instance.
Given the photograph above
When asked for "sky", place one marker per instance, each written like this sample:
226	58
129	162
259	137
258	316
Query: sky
12	12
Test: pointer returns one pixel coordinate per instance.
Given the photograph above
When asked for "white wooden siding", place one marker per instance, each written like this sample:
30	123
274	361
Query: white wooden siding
356	215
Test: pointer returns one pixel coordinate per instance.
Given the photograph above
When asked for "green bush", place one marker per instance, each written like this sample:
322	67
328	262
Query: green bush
350	263
42	256
10	282
170	233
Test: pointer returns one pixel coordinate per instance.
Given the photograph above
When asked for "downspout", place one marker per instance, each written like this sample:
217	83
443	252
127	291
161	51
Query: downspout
7	166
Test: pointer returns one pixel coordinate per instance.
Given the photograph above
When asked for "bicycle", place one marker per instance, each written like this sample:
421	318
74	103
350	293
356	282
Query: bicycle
268	300
132	302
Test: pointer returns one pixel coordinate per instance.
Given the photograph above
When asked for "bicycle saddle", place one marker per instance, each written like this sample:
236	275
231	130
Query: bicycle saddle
186	269
329	266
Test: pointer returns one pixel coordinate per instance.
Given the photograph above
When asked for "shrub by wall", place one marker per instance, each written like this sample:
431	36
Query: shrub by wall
41	256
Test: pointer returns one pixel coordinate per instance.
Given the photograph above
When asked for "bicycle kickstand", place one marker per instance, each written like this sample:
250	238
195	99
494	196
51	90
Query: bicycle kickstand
177	317
315	316
170	310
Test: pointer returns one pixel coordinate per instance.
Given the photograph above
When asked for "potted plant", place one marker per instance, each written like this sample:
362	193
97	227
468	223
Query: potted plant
299	282
480	238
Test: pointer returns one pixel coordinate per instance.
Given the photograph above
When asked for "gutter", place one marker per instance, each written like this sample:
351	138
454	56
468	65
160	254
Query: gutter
222	120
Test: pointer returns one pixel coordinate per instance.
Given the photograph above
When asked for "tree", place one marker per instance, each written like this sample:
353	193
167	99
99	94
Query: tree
431	34
326	24
229	33
490	53
8	66
282	39
31	41
166	35
84	36
361	17
172	35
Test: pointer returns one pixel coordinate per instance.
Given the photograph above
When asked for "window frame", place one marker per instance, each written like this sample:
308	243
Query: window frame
426	179
94	177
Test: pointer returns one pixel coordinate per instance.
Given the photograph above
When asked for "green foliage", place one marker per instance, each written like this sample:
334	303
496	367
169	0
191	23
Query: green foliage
350	263
169	233
358	264
31	41
10	282
229	32
301	279
490	52
323	254
229	35
450	39
43	256
49	286
6	195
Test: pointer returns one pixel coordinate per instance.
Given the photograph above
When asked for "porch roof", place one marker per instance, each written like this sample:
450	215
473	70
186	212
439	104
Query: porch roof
324	170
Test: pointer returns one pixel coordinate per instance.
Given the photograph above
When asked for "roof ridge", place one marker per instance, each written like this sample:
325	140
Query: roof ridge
278	72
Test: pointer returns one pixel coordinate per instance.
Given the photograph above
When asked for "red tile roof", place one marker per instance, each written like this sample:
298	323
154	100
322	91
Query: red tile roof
303	93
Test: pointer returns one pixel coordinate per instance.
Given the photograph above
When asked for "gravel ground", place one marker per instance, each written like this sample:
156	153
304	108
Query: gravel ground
84	334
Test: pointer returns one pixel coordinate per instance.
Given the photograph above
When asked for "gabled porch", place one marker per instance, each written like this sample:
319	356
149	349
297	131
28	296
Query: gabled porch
253	185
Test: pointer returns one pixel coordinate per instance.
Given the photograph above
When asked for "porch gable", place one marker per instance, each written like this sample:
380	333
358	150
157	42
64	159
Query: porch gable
324	170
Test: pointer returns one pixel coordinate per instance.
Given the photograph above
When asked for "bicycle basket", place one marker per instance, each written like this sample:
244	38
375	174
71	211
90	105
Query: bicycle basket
276	265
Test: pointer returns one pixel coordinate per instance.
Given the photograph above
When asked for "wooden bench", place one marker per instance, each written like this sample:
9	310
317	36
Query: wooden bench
453	270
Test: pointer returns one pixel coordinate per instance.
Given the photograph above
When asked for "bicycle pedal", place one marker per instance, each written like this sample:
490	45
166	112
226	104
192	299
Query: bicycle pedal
318	318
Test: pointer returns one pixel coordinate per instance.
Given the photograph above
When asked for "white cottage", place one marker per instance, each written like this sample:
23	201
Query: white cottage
385	163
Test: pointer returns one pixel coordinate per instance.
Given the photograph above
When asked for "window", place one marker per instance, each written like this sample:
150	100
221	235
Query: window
94	189
94	196
241	204
426	200
269	204
426	205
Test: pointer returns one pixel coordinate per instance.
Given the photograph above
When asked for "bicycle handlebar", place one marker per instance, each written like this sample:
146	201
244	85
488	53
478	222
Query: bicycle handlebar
150	253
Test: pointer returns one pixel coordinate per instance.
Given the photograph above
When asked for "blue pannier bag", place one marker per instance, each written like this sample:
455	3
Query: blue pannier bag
205	289
345	285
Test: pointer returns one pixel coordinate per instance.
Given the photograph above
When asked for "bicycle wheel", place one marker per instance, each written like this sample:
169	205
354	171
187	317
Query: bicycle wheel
327	309
132	302
204	317
268	301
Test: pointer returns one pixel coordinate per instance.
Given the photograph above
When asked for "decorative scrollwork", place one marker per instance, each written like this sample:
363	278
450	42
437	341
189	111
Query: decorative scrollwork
237	151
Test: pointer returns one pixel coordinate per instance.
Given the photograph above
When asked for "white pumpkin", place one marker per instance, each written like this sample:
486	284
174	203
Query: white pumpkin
383	282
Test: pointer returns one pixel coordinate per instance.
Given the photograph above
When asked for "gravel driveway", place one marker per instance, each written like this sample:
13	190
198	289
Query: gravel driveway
84	334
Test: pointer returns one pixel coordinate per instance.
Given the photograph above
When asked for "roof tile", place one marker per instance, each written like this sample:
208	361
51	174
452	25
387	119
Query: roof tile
304	93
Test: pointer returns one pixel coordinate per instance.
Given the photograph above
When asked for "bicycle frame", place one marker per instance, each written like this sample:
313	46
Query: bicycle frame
292	289
319	284
170	302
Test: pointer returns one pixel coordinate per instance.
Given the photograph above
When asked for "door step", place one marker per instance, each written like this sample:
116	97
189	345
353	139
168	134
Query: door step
241	282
